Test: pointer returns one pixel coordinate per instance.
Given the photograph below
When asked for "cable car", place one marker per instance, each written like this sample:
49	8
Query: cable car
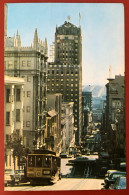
43	166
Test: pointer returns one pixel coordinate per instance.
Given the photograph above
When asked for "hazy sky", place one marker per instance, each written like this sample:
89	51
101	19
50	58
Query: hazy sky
102	26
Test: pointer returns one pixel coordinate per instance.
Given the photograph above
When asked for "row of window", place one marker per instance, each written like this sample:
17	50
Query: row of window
67	84
8	95
27	108
14	64
28	78
68	43
27	123
26	63
17	118
28	93
58	72
18	95
59	66
62	80
52	86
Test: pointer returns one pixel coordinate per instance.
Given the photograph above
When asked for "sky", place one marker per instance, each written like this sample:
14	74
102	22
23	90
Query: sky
102	26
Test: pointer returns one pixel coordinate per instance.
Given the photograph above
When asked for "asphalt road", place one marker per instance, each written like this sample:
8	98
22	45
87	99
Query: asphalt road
63	184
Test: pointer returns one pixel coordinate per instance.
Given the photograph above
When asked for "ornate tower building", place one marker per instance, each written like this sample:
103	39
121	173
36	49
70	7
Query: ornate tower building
65	74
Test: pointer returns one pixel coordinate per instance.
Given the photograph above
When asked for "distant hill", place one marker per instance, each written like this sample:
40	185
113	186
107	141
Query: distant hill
97	90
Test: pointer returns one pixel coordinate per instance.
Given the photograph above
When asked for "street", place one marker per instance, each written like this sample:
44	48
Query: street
63	184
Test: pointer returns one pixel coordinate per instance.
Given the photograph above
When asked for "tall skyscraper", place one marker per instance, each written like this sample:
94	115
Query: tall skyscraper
65	74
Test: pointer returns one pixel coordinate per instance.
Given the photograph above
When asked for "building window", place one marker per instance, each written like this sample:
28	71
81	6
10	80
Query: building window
23	93
17	115
7	118
28	63
10	64
23	63
27	123
18	93
28	78
28	93
52	71
15	64
7	137
8	95
28	108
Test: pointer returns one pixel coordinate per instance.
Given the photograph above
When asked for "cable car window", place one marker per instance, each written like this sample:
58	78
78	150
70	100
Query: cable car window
31	161
47	161
38	161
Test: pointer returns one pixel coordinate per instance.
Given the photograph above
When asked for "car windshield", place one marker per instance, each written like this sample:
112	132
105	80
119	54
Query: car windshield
114	176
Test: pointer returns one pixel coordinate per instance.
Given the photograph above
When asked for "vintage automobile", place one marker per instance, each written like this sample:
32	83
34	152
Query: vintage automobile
119	184
11	177
63	155
21	174
109	172
112	178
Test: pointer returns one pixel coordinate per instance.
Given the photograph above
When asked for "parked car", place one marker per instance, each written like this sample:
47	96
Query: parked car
119	184
21	174
109	172
10	177
112	178
63	155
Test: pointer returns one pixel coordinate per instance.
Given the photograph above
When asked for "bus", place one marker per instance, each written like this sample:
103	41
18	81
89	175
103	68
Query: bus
43	166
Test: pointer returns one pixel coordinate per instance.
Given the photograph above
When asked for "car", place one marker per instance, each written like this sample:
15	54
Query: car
7	176
112	178
109	172
119	184
21	175
63	155
10	177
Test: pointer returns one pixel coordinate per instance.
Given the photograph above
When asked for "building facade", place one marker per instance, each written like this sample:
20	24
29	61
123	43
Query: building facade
69	133
13	124
87	99
51	134
54	102
115	114
65	74
86	110
30	63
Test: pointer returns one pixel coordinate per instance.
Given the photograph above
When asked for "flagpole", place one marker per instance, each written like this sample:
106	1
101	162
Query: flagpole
79	19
